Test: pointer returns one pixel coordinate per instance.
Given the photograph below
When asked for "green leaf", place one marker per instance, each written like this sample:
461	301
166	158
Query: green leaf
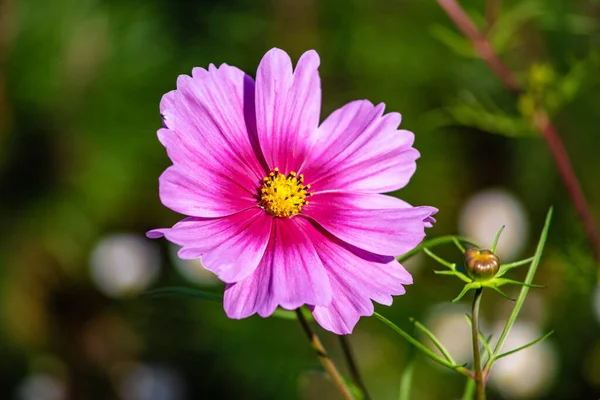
419	346
508	353
467	110
454	41
496	238
459	245
430	243
500	292
466	288
504	268
503	33
433	339
503	281
444	272
524	290
440	260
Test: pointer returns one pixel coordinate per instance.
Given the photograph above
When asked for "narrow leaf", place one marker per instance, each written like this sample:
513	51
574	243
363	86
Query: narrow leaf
504	268
430	243
466	288
444	272
459	245
434	339
495	288
440	260
504	281
524	290
414	342
508	353
495	242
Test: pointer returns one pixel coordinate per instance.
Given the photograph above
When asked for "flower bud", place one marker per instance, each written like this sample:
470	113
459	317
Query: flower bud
481	265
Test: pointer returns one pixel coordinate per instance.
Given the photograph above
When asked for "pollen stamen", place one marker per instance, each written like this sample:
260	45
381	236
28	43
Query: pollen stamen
283	195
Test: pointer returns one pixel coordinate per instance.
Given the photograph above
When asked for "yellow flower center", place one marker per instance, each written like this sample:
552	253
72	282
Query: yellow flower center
283	195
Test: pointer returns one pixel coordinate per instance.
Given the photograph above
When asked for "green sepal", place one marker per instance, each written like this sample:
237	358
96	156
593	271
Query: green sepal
466	288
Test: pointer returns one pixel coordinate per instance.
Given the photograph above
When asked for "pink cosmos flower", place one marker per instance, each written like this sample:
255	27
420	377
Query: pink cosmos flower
286	211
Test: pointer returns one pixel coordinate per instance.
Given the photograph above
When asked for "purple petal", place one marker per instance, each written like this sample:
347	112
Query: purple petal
356	277
199	192
373	222
210	136
231	247
357	148
289	275
288	107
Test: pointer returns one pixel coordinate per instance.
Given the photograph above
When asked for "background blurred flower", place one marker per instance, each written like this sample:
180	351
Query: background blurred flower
488	210
79	83
41	387
150	382
124	264
192	269
528	373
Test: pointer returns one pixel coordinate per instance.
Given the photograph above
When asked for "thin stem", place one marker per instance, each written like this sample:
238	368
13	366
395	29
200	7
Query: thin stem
540	119
480	43
407	376
522	295
475	336
469	390
353	366
322	354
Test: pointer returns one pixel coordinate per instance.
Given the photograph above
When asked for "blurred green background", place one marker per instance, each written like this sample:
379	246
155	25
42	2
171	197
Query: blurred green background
80	84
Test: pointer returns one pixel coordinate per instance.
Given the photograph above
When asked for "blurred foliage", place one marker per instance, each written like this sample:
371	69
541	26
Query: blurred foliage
80	84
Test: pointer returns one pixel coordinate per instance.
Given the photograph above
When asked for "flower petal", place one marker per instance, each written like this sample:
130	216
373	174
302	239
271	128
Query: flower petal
201	193
289	275
357	148
231	247
356	277
288	107
210	136
377	223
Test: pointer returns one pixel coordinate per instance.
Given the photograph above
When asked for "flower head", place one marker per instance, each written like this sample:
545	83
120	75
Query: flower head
286	211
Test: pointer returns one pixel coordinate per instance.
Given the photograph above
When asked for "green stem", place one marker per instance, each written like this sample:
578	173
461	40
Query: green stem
469	390
407	376
521	299
475	336
353	367
325	360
